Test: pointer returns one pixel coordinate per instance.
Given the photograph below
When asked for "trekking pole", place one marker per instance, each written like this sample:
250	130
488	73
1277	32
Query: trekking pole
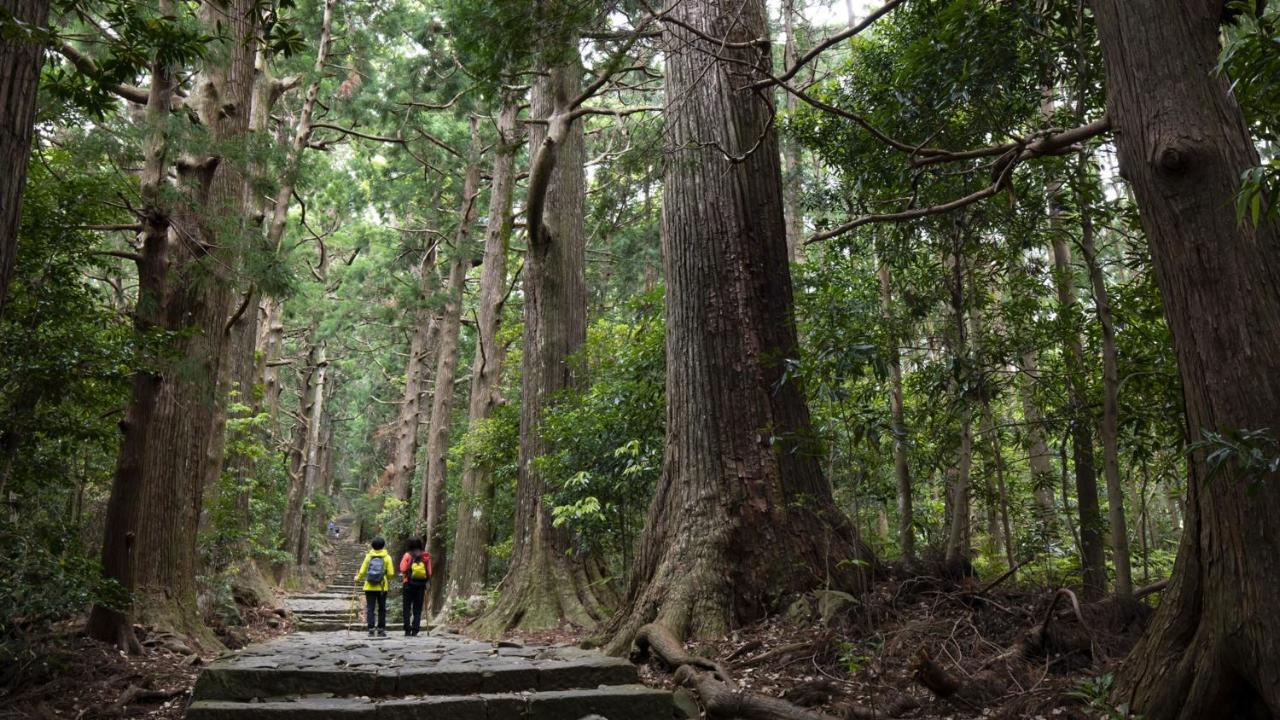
352	619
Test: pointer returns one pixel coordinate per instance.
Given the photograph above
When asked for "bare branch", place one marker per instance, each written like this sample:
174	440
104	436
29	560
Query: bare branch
87	66
831	41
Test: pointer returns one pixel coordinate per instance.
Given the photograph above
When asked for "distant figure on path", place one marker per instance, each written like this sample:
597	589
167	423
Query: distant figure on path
415	568
376	570
333	529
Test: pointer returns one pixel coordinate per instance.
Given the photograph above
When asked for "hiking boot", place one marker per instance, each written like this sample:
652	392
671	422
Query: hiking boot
382	632
370	632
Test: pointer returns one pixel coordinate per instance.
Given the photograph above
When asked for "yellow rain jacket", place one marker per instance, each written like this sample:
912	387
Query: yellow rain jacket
386	579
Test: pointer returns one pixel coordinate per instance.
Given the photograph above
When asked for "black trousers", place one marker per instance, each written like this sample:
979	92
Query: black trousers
413	594
376	599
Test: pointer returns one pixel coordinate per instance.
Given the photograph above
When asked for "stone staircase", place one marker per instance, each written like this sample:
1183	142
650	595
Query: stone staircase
340	604
329	668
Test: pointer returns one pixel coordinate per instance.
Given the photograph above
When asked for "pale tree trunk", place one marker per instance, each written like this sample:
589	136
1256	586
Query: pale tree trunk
1110	428
245	367
790	150
743	520
20	61
998	506
193	284
398	475
1093	562
434	501
958	520
471	539
1042	475
291	523
901	470
270	343
1213	647
542	586
271	340
311	469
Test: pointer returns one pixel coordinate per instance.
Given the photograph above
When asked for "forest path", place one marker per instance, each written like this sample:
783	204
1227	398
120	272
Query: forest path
340	605
328	669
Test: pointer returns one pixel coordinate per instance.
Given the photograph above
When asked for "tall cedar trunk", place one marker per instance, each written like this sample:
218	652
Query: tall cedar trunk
20	61
119	546
542	587
291	523
311	469
902	472
1110	428
1214	645
1042	475
1093	562
958	520
433	508
422	351
471	539
271	339
245	366
743	519
185	288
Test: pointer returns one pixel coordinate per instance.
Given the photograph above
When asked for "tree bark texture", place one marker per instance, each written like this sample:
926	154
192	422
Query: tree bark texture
434	503
543	586
471	538
1213	647
20	61
743	518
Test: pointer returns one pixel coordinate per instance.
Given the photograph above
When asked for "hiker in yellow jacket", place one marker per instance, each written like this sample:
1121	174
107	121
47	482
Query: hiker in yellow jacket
376	571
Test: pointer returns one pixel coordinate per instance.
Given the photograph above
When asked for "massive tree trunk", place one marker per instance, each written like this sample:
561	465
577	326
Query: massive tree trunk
901	471
542	587
471	539
1093	562
185	288
20	60
434	498
743	519
119	546
1214	645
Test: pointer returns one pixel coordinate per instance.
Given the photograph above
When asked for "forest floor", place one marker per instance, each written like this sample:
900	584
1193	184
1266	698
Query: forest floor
67	675
841	658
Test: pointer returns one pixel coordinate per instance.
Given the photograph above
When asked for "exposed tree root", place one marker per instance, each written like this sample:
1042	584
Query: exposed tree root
721	696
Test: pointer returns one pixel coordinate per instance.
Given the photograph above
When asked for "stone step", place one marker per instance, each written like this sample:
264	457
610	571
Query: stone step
497	675
621	702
